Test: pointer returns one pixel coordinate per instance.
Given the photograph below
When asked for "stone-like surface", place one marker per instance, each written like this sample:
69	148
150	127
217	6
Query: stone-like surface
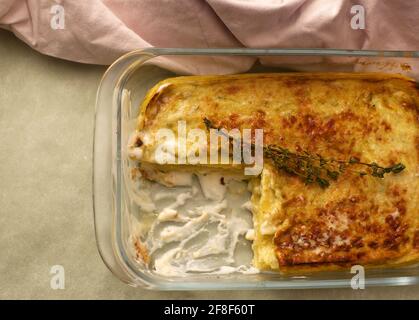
46	218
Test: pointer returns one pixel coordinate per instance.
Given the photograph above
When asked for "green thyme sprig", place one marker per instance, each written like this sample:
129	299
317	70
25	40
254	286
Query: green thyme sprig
313	168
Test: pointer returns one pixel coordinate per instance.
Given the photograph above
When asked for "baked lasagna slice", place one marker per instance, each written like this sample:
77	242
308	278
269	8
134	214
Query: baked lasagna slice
358	220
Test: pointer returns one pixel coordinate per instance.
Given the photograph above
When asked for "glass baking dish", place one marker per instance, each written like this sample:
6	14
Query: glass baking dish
119	95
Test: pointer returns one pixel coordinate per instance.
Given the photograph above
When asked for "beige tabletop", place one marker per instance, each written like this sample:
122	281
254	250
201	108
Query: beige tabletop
46	215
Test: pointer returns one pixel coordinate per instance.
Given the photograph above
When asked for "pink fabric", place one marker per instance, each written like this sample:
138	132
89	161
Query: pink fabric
99	31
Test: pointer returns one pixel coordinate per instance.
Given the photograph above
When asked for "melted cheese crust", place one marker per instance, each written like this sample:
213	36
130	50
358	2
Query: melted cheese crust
374	117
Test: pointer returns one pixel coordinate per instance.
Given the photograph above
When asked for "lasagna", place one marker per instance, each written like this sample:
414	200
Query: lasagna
358	219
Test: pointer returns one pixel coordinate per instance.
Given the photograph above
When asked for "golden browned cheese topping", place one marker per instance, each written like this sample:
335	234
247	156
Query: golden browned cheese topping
373	117
356	220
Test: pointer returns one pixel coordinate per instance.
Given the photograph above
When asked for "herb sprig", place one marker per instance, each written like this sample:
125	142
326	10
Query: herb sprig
314	168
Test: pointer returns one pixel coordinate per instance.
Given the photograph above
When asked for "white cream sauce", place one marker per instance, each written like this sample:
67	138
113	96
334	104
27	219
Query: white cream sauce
213	186
168	214
198	228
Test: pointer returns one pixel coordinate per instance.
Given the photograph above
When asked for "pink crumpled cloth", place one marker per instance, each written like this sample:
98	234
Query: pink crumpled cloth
99	31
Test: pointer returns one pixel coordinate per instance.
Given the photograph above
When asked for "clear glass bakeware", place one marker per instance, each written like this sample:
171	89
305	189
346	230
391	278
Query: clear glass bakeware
121	90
